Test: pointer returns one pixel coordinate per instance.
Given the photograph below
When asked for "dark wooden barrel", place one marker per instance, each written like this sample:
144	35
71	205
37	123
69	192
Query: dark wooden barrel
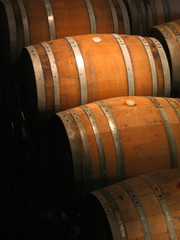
169	36
147	13
71	71
100	143
143	207
25	22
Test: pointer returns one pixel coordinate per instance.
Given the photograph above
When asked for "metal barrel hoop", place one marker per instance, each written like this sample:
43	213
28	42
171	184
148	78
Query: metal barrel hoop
55	75
100	147
81	69
139	208
160	197
128	64
75	150
85	144
39	77
116	139
169	132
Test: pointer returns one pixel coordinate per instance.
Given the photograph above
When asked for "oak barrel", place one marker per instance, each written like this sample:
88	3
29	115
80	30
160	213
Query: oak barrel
100	143
25	22
71	71
147	13
143	207
169	36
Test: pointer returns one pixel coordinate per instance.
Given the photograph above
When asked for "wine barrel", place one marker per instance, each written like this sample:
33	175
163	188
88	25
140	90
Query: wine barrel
138	16
25	22
147	13
169	36
100	143
71	71
143	207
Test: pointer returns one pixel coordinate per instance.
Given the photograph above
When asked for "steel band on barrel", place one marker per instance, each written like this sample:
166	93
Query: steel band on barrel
139	208
100	147
152	65
166	10
153	9
86	150
39	77
51	20
55	76
25	22
91	14
128	63
165	66
114	16
126	22
116	139
175	107
169	132
174	57
160	196
175	31
112	213
75	150
81	69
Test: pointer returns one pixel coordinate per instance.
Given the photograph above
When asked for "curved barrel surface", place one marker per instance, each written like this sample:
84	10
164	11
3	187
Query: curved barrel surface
100	143
25	22
143	207
72	71
169	36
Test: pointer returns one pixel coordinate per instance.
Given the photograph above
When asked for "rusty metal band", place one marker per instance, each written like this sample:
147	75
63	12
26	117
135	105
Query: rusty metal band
116	139
92	18
114	16
86	149
100	147
175	31
39	76
173	54
81	69
25	22
12	30
55	76
169	132
75	150
128	63
109	214
152	65
153	9
139	208
51	20
165	67
166	10
175	107
160	196
113	216
126	22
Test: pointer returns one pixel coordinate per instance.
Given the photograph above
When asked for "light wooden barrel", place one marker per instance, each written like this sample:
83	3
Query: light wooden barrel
71	71
147	13
25	22
169	36
143	207
100	143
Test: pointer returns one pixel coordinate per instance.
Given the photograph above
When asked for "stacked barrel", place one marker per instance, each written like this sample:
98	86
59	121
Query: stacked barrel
90	92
